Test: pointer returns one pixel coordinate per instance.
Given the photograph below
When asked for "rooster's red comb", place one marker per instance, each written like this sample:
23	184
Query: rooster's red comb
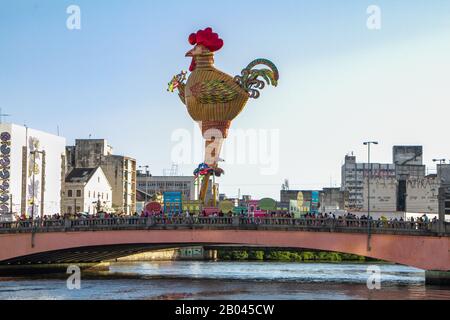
207	38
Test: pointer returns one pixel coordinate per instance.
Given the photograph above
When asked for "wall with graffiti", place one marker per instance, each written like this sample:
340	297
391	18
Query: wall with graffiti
5	173
27	178
34	177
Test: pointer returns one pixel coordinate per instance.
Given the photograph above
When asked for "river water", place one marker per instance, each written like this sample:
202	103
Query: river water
230	280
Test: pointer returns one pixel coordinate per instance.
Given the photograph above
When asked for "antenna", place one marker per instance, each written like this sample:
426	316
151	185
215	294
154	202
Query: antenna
3	115
173	171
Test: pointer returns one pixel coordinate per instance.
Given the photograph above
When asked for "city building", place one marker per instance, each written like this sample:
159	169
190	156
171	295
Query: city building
87	190
119	170
443	175
314	201
407	164
333	199
383	194
31	171
419	196
408	161
150	184
352	176
187	185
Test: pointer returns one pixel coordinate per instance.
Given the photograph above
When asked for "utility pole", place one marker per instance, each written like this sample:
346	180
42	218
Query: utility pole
147	174
369	173
33	203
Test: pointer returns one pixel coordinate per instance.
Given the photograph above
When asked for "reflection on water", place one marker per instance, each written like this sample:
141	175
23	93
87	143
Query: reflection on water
230	280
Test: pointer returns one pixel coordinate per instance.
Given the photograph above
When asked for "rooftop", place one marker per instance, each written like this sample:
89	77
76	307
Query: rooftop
80	175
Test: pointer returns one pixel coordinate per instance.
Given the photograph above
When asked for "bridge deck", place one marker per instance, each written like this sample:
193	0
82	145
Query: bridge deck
222	223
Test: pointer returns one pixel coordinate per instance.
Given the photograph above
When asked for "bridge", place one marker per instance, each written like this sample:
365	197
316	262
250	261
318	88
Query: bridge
90	240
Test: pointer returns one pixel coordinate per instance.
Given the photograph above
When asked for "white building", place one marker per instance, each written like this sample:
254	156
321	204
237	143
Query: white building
87	190
353	175
120	170
383	194
160	184
31	171
420	196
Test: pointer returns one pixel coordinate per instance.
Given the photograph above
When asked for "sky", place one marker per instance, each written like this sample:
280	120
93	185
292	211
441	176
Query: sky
340	82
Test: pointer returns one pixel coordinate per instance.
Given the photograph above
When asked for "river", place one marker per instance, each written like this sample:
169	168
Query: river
230	280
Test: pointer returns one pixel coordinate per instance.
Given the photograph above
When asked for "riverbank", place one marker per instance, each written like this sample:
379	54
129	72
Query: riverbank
286	256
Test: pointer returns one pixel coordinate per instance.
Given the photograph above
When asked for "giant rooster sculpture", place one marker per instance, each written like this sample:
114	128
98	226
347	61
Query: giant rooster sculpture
214	98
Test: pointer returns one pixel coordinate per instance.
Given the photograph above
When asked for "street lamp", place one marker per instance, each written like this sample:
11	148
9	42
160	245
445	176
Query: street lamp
146	180
33	153
441	161
368	143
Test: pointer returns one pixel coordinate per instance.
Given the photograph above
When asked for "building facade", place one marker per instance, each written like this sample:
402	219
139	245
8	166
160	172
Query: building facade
87	190
332	199
353	175
419	196
31	171
159	184
119	170
187	185
407	164
315	201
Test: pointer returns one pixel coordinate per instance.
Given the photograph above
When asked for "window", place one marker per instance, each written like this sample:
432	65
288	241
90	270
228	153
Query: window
69	194
78	193
69	209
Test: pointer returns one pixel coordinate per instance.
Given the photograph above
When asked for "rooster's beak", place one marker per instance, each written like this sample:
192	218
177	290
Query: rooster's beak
189	53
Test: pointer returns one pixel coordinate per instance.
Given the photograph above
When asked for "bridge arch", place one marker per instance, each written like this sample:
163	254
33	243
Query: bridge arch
424	252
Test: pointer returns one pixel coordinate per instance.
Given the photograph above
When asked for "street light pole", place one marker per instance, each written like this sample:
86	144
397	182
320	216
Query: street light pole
146	182
33	153
368	143
441	161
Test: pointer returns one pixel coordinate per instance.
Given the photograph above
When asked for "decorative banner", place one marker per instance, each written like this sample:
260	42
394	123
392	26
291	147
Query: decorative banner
226	206
173	202
315	202
153	207
34	182
300	199
5	162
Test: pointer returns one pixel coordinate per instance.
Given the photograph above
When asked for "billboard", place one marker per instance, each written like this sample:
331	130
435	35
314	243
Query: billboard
315	202
172	202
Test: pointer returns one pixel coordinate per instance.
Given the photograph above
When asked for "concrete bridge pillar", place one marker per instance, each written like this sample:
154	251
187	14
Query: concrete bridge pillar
438	278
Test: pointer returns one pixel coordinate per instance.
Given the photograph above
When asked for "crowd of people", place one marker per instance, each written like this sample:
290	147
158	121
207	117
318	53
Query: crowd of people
347	219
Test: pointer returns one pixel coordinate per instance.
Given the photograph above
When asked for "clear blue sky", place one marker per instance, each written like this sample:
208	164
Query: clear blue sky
340	83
